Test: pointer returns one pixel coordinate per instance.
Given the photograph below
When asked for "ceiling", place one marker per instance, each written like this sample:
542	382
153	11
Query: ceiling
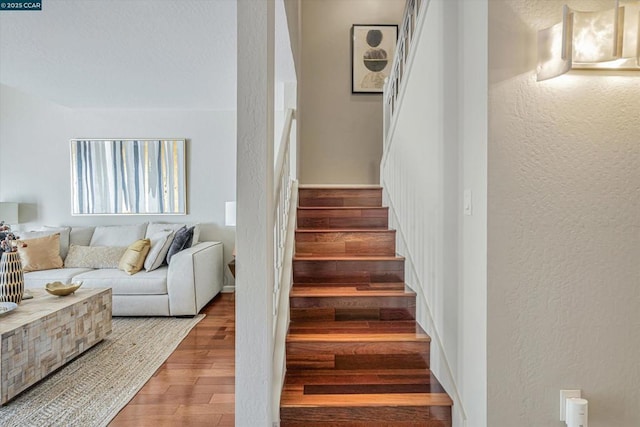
123	53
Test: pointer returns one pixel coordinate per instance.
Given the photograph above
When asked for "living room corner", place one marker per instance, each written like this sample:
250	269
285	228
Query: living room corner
156	104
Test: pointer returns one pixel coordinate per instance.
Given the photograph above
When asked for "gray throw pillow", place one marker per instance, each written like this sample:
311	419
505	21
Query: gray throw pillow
181	240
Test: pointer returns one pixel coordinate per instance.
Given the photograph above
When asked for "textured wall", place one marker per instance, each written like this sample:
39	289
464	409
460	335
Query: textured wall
254	295
564	231
340	132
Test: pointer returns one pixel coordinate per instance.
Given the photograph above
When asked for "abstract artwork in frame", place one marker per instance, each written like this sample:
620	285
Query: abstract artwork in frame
128	176
372	51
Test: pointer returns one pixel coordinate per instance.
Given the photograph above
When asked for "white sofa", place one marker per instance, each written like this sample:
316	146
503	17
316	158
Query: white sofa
192	278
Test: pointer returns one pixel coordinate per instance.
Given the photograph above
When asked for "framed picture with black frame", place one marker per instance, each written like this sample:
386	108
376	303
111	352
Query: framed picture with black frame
372	51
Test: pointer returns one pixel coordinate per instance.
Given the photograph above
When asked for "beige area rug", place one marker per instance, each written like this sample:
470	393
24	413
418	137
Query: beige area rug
91	390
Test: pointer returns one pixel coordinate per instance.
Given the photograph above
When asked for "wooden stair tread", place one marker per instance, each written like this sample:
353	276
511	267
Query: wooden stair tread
347	292
348	258
359	285
339	187
345	196
362	326
342	217
365	328
325	376
309	256
344	230
325	379
358	337
341	207
298	399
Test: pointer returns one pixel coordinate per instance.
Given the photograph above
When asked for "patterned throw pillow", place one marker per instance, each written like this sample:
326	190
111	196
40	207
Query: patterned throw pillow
94	256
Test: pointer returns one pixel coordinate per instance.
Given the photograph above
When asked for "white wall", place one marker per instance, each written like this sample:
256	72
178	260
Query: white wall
285	95
418	187
34	148
255	259
340	132
293	10
438	149
473	137
564	231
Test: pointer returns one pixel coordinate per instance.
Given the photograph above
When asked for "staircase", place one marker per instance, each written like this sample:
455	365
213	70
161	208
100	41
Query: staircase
355	354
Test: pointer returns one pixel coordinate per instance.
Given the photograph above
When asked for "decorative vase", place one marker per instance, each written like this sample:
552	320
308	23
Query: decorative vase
11	278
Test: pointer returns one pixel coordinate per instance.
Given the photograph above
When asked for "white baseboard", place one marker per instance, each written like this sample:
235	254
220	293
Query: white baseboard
228	289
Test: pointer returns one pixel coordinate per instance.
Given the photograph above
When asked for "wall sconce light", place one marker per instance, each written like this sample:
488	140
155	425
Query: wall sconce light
600	40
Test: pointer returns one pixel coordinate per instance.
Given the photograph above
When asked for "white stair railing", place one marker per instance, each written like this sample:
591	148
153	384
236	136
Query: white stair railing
283	181
413	12
413	180
285	202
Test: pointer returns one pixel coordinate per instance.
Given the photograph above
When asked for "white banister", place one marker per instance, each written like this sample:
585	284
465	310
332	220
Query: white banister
414	13
285	202
282	196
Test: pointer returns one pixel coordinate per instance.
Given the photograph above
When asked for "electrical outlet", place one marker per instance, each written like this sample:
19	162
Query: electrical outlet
564	395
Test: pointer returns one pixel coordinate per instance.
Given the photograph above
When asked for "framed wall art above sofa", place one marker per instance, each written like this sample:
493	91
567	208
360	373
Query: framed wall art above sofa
128	176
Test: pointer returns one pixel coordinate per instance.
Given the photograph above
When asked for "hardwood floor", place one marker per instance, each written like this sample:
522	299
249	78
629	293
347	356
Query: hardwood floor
196	384
355	354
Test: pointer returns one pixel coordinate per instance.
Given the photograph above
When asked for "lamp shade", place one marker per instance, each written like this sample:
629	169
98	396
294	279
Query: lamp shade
230	214
9	212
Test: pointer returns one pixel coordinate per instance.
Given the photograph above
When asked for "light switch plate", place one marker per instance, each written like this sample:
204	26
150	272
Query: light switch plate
564	395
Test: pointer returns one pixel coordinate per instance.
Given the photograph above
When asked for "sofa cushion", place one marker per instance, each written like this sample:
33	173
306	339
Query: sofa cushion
160	243
143	283
37	279
41	253
181	240
154	227
94	256
118	235
81	236
48	231
133	258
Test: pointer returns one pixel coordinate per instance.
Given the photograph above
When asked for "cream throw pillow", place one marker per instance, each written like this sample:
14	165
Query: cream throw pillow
94	256
160	243
133	258
42	253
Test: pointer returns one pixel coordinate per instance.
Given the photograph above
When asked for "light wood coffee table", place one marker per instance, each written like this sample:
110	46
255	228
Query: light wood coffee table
46	332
